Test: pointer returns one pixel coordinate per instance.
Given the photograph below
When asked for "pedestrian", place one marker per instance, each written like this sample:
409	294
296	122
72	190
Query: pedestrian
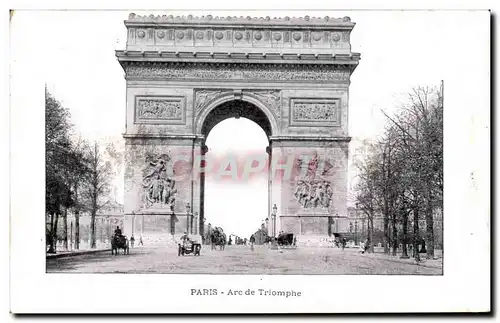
367	245
132	240
252	241
140	241
362	247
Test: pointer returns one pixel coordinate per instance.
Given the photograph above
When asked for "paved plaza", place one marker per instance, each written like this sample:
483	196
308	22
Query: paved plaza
241	260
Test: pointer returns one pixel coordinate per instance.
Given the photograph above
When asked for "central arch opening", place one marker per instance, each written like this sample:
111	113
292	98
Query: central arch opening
235	193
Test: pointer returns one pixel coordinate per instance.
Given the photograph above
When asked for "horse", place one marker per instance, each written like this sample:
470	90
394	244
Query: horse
218	239
119	242
285	239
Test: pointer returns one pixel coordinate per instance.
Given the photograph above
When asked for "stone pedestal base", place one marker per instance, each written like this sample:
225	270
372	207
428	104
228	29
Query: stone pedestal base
307	225
156	227
315	241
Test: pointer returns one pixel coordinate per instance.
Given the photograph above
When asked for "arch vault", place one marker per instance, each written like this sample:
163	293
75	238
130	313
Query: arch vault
186	74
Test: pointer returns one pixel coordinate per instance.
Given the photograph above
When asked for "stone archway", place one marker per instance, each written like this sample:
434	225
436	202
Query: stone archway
226	107
185	74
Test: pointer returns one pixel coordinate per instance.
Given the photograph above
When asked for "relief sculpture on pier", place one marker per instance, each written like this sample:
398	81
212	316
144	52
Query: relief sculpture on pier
159	187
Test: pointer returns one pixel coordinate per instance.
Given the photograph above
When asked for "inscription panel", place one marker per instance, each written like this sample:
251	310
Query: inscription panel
315	112
160	110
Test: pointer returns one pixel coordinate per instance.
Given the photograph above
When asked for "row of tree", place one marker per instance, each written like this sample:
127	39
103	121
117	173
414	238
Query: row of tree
402	178
77	175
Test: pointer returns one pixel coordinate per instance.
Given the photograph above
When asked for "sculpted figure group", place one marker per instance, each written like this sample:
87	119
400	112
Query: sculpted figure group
312	194
159	188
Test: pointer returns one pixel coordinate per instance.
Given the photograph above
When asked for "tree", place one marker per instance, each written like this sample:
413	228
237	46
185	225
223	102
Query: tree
79	170
420	124
404	174
114	153
366	195
57	153
96	185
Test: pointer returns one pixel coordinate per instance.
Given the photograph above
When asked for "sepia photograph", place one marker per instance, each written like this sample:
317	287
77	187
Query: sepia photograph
247	144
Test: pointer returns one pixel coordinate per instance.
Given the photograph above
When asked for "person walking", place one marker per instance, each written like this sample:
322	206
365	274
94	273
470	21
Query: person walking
252	241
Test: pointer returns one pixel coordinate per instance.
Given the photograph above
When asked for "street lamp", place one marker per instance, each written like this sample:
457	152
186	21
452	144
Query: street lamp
196	223
188	209
275	211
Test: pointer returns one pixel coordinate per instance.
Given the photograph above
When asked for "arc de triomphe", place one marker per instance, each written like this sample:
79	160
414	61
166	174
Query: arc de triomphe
185	74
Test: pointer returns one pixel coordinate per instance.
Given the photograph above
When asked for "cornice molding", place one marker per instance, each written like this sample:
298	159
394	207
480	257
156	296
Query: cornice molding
238	57
267	21
308	138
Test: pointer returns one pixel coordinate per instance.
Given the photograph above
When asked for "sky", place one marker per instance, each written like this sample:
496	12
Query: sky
399	50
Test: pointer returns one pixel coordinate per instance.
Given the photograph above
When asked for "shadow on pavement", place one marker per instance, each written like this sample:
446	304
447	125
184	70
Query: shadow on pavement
69	263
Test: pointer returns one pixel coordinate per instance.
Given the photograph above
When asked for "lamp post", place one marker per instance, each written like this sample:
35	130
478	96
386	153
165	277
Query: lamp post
188	219
196	223
275	211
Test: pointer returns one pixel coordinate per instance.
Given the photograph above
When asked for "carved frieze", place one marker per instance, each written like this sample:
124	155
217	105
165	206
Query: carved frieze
253	72
159	109
322	112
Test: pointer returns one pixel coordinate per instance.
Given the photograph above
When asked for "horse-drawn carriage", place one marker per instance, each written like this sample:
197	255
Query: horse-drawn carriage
287	239
218	238
119	242
283	240
189	247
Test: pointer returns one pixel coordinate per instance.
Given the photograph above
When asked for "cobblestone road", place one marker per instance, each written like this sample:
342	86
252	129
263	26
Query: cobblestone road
241	260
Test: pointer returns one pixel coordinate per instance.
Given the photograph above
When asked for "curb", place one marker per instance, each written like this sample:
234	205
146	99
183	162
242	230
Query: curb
408	262
77	253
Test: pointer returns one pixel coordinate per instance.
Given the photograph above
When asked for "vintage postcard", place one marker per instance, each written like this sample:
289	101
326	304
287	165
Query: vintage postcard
275	161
